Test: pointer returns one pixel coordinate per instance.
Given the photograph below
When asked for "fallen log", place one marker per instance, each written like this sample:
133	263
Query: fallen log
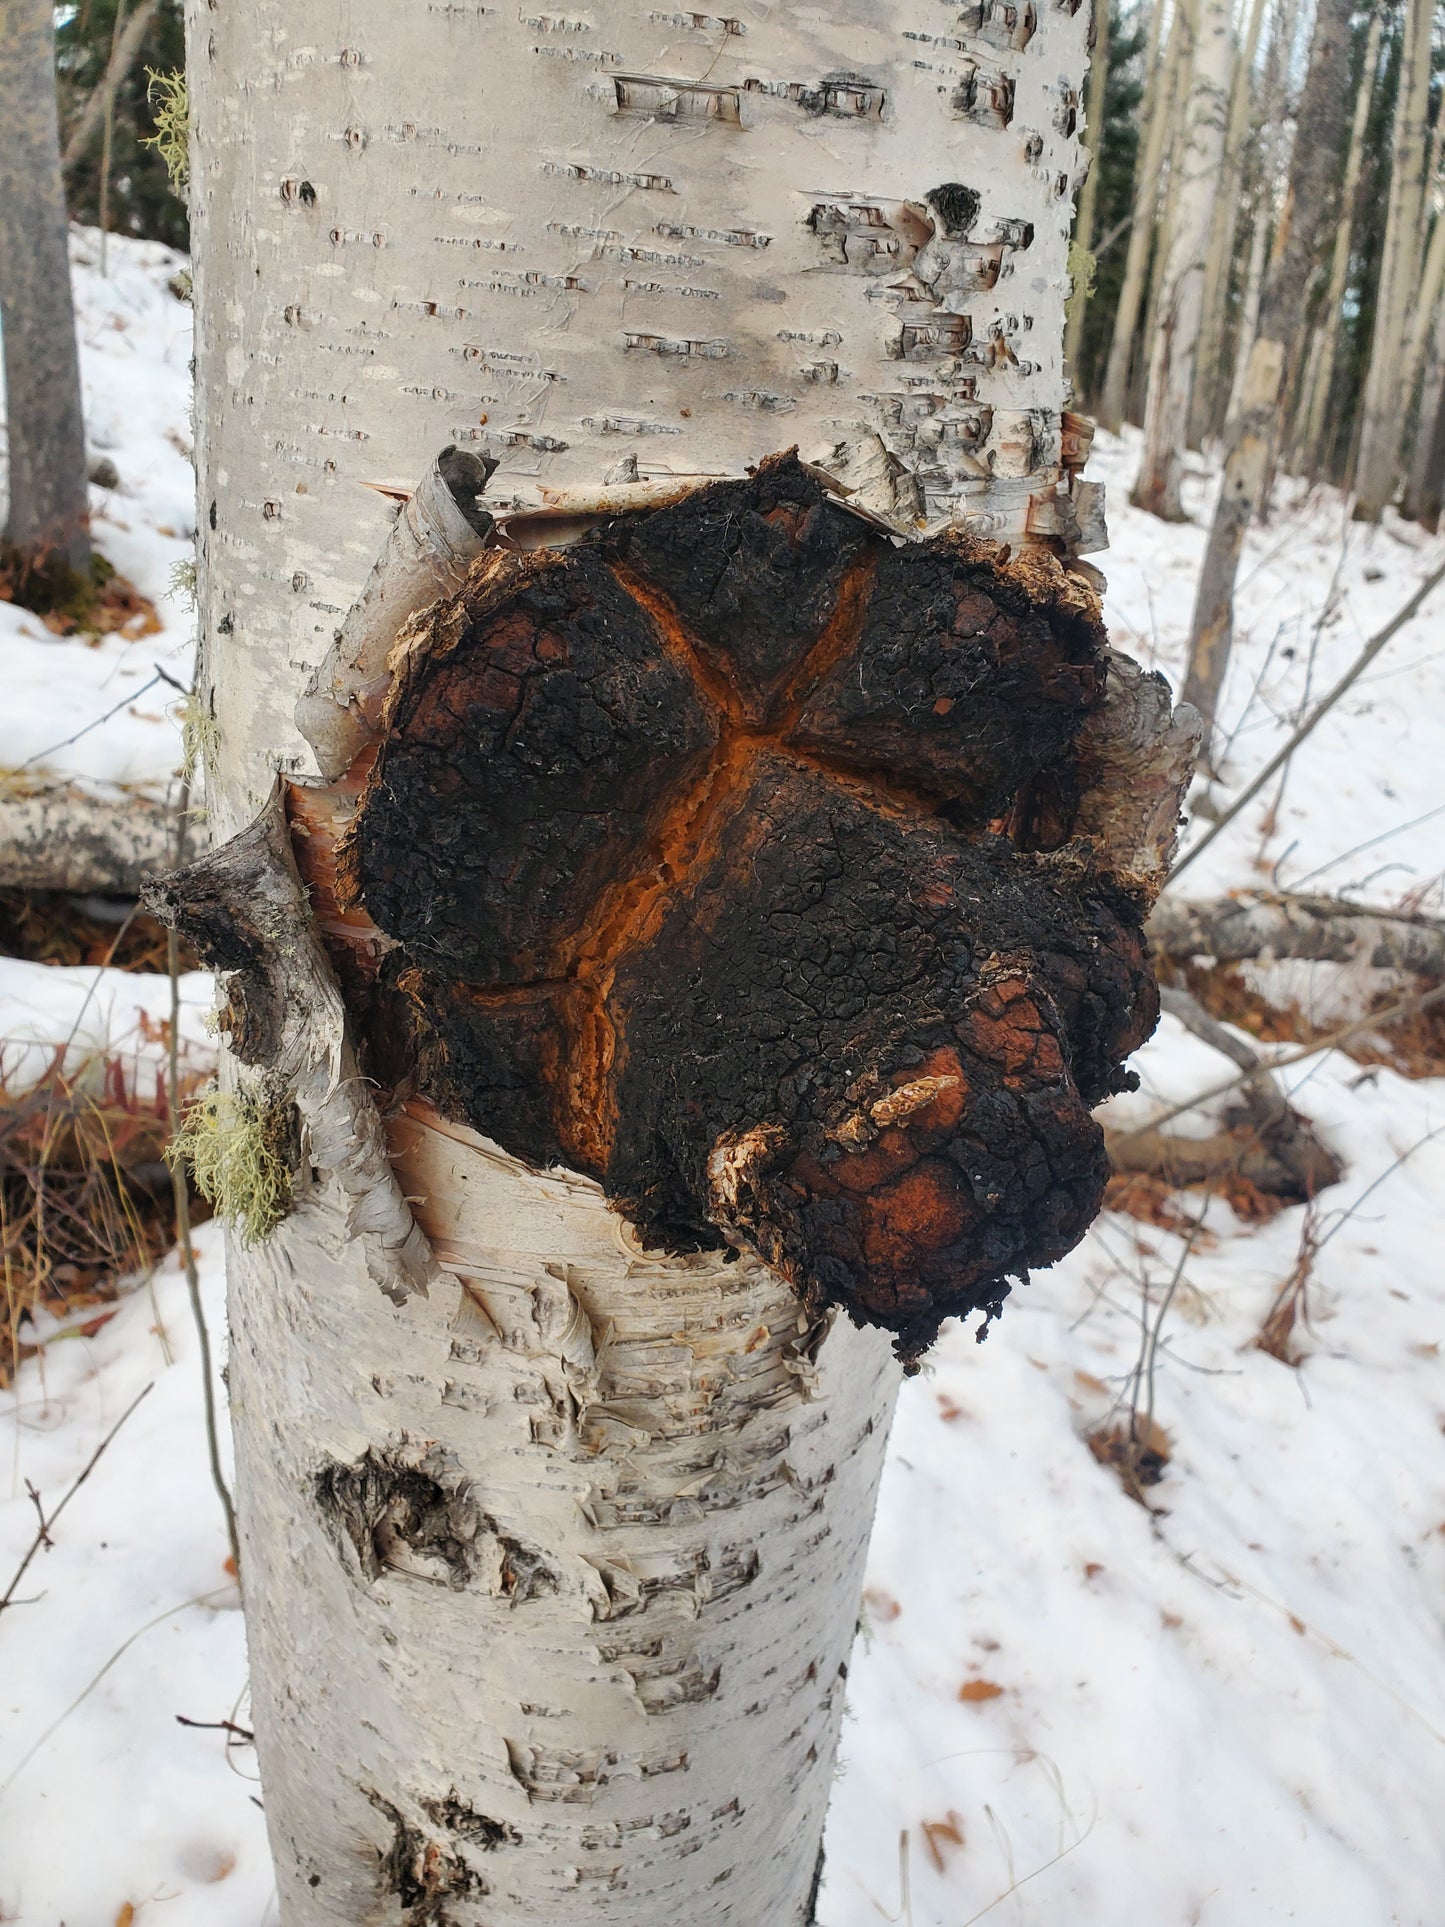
1318	929
58	835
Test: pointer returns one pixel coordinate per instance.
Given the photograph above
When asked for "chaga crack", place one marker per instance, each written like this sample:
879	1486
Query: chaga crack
732	857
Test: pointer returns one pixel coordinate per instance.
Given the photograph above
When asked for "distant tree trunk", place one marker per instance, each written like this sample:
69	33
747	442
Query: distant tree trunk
1176	335
1081	257
1426	482
1299	238
1322	375
1275	137
49	511
1160	68
1377	465
1424	302
1205	408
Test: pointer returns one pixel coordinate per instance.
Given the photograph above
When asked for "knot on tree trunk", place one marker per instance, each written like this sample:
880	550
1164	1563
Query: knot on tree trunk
788	881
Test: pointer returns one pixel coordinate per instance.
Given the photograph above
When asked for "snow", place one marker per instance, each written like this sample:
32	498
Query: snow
93	1015
1228	1710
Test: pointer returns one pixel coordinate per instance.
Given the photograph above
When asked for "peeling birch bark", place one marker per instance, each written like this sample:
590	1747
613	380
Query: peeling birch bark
552	1565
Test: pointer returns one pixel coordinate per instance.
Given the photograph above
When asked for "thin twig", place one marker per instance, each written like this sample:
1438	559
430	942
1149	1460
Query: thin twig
183	1203
200	1599
1321	709
124	703
42	1535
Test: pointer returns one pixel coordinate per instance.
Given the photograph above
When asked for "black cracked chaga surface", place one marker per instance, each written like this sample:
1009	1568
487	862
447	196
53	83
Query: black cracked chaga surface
727	857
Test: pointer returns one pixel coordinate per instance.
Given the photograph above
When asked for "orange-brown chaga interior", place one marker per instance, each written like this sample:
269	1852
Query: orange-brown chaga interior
726	856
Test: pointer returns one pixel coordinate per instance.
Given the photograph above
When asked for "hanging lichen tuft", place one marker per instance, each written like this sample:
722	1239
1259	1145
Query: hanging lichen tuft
239	1147
171	140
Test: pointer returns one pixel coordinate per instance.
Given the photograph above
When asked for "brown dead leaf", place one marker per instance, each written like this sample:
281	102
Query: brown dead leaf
1138	1449
882	1606
974	1691
940	1835
126	1915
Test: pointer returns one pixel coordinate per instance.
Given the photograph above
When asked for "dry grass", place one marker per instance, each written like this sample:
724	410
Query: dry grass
49	926
85	1193
93	603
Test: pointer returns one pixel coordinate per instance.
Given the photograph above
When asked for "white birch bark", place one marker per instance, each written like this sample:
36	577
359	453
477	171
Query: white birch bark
1161	65
1382	418
1176	332
552	1569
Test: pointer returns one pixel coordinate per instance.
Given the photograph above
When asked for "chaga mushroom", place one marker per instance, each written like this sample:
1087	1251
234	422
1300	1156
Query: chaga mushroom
730	857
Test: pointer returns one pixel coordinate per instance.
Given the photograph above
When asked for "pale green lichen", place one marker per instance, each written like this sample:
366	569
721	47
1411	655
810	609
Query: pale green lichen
172	113
237	1146
182	584
1082	265
200	739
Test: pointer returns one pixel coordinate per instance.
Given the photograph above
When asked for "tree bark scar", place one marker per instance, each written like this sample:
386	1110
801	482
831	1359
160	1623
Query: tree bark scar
746	862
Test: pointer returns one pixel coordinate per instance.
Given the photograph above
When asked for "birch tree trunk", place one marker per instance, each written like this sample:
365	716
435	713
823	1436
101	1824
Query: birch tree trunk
1161	65
49	504
1176	334
552	1542
1309	210
1377	465
1322	374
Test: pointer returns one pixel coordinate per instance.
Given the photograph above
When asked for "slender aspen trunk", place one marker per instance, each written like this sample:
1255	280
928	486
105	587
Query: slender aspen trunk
1176	332
1309	208
1081	252
1424	303
100	102
1165	215
1204	410
1275	141
552	1542
1161	64
1382	420
1313	435
1425	488
49	511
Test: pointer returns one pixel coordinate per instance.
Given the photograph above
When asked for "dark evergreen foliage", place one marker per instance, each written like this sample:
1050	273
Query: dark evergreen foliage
140	198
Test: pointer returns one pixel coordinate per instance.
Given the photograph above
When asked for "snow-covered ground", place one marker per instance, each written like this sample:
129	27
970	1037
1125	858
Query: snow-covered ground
1065	1710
